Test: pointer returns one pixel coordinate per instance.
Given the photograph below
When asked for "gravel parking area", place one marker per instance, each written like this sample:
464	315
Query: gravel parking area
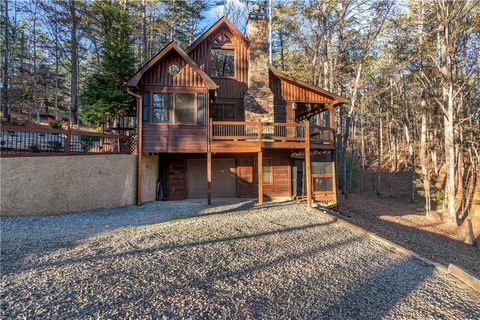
231	260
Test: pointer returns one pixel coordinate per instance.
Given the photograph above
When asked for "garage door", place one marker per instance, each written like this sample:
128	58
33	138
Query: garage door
223	178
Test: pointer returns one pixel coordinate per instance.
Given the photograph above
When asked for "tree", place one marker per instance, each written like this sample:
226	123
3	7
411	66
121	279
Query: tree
105	92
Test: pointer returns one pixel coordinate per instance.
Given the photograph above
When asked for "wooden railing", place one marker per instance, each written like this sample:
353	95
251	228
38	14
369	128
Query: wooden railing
268	132
322	135
18	141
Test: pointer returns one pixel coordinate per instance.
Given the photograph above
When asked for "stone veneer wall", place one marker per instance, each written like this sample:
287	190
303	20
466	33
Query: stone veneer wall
56	185
258	100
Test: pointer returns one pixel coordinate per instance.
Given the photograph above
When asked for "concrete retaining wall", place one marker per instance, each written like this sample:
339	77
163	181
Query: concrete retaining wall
55	185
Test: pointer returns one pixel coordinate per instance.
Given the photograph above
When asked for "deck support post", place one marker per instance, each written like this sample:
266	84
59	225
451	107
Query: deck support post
209	176
260	177
308	171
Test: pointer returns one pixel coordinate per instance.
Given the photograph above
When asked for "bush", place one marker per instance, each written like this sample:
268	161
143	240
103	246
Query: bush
55	145
55	124
87	142
34	148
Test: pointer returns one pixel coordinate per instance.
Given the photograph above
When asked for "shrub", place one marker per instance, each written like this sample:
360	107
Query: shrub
87	142
34	148
55	145
55	124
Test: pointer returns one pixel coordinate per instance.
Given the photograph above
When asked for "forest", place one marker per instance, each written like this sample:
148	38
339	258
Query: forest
410	70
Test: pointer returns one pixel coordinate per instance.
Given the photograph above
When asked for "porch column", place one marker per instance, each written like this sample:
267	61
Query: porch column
331	119
260	177
209	176
308	173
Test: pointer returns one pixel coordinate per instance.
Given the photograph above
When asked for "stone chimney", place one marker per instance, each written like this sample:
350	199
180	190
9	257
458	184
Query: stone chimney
258	100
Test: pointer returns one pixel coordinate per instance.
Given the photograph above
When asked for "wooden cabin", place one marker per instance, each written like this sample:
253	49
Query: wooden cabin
221	122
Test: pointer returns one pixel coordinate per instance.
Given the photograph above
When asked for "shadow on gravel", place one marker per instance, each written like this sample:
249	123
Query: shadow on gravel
15	268
27	235
373	297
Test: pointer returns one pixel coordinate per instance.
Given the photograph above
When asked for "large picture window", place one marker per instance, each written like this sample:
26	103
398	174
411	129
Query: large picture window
180	108
223	63
184	108
162	107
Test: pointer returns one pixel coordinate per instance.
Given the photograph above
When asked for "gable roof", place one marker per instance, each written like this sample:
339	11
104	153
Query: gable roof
213	28
336	98
135	79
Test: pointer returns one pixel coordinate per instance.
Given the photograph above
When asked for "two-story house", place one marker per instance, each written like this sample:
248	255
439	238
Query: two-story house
220	121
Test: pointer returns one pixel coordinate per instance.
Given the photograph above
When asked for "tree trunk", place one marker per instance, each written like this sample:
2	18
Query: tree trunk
74	64
423	159
5	110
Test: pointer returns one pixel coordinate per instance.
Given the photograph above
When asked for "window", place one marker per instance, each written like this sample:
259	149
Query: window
222	64
267	173
146	106
162	107
201	109
184	108
223	112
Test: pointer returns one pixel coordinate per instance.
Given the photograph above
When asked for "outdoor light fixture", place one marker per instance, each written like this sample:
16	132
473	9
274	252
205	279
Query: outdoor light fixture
294	106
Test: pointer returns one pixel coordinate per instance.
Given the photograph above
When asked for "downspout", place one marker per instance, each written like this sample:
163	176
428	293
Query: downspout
139	143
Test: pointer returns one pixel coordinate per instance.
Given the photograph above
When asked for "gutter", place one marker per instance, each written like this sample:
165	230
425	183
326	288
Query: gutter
139	144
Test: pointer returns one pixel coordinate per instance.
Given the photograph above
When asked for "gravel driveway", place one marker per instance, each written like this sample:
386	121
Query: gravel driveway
232	260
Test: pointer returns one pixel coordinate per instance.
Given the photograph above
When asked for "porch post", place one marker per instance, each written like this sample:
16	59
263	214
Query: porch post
308	174
260	177
209	162
331	119
209	176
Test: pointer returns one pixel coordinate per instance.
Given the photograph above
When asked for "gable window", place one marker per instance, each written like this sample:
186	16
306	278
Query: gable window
223	63
162	107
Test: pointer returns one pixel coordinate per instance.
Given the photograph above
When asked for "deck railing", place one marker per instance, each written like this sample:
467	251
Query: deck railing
18	141
268	132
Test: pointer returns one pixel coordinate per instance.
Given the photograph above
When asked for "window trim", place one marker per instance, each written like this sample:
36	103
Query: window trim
223	47
255	171
174	102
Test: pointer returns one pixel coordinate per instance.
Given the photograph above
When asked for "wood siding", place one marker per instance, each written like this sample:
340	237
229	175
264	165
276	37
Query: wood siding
158	74
245	185
285	90
230	87
173	138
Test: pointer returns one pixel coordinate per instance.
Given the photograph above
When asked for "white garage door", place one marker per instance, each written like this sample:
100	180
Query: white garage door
223	178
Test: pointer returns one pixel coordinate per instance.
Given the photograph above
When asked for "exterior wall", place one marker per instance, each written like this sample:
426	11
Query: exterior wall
158	74
172	138
230	87
56	185
281	173
149	177
246	187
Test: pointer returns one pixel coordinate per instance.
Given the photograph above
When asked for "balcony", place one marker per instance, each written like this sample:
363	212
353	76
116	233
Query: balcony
236	136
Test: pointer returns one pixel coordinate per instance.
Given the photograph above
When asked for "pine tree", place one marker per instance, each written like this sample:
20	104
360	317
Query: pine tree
105	92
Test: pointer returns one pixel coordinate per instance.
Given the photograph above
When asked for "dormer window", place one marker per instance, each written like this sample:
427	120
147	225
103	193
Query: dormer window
223	63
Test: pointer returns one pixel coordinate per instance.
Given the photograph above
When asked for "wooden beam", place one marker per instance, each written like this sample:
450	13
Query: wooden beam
308	171
260	177
209	177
